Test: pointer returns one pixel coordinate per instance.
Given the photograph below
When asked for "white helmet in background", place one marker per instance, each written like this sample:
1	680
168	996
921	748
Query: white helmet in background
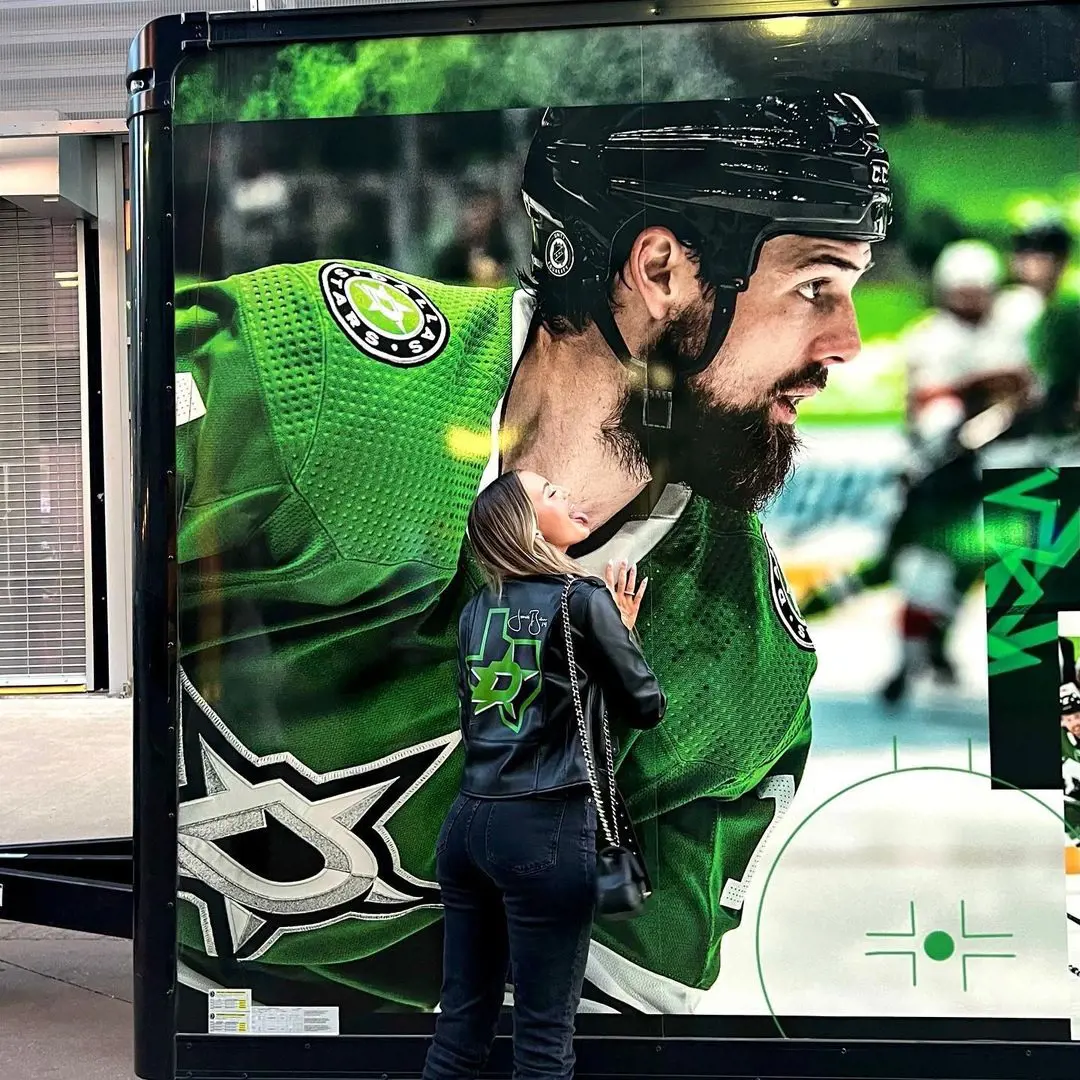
967	264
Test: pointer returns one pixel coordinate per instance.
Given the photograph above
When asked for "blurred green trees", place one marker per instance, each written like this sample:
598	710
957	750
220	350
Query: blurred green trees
450	73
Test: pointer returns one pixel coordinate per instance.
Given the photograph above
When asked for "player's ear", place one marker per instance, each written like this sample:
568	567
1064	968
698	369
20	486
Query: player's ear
660	272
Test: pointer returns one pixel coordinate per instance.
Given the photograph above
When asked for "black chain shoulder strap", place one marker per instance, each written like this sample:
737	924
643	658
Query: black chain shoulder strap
609	824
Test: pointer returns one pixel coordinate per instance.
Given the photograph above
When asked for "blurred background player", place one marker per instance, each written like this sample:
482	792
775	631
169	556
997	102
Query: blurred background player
968	374
1041	254
1069	695
479	253
969	351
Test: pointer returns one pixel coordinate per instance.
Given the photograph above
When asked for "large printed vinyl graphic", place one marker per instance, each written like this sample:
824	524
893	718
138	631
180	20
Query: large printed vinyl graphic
345	480
707	317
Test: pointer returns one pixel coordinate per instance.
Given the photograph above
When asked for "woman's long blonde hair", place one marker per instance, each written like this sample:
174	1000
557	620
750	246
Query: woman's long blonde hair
506	538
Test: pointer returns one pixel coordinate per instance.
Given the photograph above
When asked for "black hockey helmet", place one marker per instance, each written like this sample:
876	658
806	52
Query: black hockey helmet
724	175
1048	235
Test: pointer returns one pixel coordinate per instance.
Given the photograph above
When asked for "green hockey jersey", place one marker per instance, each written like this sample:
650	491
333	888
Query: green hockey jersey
334	423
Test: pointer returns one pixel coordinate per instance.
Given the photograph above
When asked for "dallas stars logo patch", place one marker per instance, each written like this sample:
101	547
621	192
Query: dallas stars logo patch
269	848
505	673
385	317
784	604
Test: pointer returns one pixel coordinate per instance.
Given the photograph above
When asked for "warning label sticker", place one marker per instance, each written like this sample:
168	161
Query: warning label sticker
229	1012
232	1013
281	1020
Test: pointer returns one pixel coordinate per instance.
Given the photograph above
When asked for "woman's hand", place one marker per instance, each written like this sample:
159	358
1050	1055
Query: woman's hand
621	580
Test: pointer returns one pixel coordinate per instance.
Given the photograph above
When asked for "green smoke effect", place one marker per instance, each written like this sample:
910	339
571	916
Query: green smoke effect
450	74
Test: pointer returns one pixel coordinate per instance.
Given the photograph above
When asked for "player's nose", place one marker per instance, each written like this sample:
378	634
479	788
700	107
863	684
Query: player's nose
840	341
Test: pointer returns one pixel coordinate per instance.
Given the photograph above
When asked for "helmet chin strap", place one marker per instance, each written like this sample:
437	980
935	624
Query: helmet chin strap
656	401
719	325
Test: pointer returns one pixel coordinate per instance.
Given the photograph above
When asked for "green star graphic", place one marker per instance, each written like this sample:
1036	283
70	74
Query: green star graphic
490	691
1025	564
502	676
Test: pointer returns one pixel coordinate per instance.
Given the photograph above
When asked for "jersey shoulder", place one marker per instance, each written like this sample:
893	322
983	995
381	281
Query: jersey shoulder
934	326
1015	308
403	320
377	390
725	557
1070	747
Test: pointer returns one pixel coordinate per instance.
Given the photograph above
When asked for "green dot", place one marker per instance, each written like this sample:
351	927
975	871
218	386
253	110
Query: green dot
939	945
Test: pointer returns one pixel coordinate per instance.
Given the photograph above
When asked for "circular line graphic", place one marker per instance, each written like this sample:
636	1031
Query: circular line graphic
831	799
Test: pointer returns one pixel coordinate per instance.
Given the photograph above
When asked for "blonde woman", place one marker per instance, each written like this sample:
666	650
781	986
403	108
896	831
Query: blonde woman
516	856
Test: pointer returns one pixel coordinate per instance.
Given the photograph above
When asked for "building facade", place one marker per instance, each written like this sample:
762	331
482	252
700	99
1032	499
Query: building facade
65	438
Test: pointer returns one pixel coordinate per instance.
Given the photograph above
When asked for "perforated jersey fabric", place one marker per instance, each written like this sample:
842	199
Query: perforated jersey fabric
323	499
705	786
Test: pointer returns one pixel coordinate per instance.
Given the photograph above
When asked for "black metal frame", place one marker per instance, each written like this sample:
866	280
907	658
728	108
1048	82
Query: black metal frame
160	1053
73	884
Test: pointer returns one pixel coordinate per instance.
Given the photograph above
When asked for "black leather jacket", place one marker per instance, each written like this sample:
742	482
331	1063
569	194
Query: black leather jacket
518	722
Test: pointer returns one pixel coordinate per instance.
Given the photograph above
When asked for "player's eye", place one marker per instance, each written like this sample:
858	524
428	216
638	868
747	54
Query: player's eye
811	290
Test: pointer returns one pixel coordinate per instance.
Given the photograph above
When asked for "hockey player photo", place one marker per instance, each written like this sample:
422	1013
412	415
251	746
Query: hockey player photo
790	319
1069	700
1070	741
690	286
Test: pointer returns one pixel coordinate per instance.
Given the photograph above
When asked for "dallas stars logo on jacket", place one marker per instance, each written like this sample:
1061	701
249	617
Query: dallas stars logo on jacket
390	319
506	670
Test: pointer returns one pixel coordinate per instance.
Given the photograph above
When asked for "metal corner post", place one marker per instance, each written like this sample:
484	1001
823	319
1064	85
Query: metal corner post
115	408
153	59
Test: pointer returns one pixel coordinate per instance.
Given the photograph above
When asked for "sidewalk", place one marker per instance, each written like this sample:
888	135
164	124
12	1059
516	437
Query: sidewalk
65	998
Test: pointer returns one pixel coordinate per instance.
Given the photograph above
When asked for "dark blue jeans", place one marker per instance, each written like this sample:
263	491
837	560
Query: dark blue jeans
517	879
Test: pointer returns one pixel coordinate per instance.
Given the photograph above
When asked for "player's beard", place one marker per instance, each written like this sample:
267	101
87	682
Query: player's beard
737	457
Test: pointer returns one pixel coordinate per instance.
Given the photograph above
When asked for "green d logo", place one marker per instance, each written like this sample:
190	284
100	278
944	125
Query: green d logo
505	673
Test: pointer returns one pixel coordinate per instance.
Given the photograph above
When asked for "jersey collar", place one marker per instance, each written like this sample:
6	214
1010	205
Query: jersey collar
522	308
637	538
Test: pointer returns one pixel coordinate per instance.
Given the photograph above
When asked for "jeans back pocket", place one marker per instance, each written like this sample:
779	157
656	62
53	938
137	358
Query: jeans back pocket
522	835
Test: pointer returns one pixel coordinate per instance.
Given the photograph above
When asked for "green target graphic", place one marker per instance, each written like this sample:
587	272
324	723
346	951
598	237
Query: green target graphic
937	945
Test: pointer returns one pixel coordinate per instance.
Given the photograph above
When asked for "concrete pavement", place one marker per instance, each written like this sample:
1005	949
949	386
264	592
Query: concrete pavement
65	998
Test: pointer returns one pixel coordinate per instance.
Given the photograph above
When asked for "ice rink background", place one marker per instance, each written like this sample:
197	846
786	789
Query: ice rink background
926	837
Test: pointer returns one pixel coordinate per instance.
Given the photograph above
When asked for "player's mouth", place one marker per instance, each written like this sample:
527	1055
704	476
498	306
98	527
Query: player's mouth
580	517
785	406
788	394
